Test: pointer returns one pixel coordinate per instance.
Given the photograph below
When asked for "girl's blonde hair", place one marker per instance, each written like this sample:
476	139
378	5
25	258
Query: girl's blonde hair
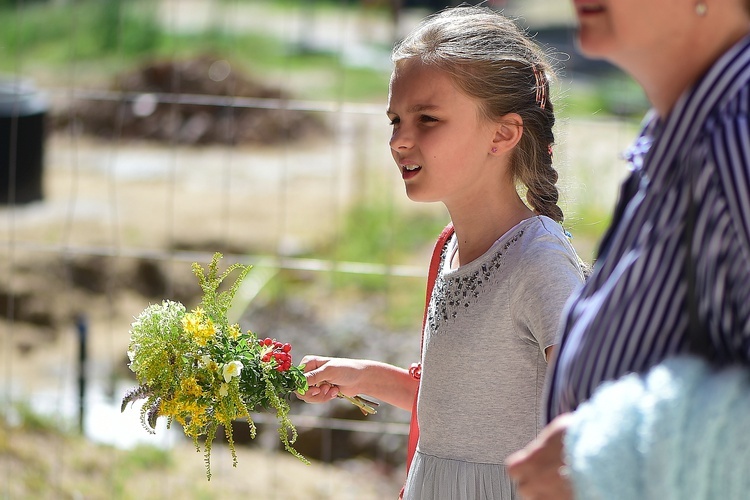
491	60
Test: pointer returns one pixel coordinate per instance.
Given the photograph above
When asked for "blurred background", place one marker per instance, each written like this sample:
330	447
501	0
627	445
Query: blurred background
137	137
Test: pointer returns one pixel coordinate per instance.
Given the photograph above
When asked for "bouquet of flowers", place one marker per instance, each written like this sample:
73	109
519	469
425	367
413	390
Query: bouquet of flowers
196	368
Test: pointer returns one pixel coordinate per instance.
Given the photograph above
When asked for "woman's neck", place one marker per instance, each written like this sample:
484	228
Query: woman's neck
666	75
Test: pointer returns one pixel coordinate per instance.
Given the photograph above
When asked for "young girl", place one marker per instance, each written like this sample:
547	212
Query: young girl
471	116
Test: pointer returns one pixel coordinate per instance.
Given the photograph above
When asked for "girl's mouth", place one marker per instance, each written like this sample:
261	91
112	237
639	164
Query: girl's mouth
409	171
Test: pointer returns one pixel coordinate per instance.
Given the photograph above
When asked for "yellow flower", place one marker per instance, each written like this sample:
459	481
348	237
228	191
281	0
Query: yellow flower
234	331
191	323
209	330
191	388
224	390
200	327
167	407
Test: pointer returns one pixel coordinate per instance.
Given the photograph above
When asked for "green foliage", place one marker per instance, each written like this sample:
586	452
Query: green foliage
381	7
214	302
197	368
134	463
373	233
114	34
31	420
19	3
82	30
610	95
587	226
128	30
145	457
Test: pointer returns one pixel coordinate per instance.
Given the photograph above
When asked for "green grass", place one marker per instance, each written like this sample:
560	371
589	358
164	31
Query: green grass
117	35
38	464
587	226
30	420
610	95
82	30
372	232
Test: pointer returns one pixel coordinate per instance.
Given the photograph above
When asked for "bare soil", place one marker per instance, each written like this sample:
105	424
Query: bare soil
117	229
43	464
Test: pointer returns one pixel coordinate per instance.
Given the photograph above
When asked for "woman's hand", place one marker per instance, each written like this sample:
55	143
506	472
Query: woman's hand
539	470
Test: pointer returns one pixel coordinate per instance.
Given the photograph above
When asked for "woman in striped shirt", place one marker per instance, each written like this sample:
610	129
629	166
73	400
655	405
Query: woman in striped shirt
678	253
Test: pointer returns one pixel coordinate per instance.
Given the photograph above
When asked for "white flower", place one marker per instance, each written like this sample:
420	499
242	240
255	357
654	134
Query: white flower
205	360
224	390
131	356
231	369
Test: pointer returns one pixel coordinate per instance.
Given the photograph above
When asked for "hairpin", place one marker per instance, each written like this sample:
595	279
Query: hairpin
541	88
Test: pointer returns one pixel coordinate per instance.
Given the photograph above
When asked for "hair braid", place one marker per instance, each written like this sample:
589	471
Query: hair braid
533	166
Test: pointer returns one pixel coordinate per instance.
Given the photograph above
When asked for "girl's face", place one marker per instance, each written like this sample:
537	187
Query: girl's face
439	141
624	31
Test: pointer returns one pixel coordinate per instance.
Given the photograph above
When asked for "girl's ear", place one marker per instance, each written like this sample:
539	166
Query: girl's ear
508	131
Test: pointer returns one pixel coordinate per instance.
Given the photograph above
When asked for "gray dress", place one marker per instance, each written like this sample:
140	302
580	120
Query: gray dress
483	363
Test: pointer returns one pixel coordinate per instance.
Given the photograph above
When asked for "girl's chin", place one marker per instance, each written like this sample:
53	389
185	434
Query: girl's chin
418	197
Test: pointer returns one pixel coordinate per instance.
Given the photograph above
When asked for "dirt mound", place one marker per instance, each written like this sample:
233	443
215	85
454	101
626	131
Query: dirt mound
205	100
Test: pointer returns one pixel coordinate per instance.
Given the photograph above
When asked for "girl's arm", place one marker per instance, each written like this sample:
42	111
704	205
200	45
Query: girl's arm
329	376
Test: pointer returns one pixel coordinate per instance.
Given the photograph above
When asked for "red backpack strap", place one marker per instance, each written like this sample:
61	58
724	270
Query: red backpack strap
416	369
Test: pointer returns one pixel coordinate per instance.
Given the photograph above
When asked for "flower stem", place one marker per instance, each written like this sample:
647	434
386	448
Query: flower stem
366	406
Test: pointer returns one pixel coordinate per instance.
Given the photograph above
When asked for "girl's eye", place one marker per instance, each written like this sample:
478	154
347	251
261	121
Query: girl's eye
427	119
395	121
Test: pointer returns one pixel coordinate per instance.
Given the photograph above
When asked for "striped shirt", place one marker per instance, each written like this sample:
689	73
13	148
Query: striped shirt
632	313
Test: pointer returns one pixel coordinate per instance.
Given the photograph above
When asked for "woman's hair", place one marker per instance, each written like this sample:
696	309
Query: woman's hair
491	60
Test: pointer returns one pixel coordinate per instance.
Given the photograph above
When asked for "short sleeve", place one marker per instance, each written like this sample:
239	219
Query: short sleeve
548	275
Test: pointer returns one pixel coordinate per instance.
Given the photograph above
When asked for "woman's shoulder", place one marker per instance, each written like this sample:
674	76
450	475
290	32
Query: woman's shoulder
718	104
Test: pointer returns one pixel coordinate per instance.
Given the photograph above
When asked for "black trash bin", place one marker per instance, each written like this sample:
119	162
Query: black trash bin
23	112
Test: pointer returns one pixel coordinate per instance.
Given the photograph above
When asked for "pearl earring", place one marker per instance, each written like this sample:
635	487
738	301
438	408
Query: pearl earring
701	8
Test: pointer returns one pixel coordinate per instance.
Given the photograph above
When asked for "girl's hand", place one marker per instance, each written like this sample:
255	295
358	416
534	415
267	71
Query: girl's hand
539	470
327	377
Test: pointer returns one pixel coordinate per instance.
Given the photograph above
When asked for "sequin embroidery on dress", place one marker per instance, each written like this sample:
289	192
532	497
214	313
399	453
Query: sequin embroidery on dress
453	294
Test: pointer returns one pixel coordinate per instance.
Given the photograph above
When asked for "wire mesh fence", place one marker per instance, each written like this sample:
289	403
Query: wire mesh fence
178	128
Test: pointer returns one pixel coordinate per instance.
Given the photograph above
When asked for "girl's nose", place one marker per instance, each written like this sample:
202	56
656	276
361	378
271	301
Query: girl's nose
401	139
